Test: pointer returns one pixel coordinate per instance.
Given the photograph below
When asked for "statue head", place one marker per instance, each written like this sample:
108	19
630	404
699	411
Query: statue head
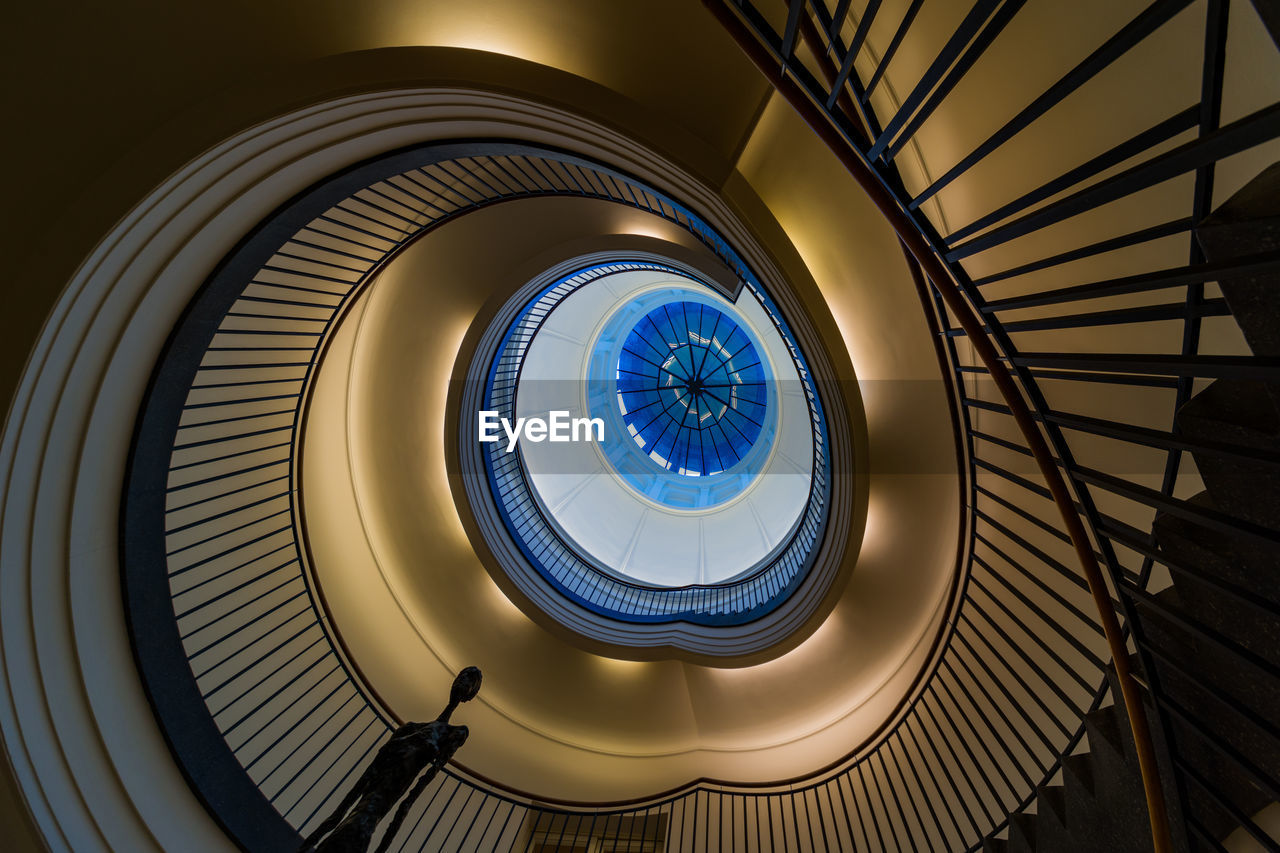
454	739
465	686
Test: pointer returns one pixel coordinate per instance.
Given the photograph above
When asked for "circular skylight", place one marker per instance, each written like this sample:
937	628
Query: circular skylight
698	491
701	494
691	388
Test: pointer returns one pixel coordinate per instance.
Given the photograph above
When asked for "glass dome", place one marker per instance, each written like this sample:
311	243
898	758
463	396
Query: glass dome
703	497
691	388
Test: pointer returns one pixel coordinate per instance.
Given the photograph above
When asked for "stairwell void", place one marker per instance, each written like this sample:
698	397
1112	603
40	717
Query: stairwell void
242	539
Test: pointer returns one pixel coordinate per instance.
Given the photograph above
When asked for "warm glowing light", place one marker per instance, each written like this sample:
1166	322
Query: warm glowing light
873	533
451	337
806	657
619	668
640	224
456	26
642	229
512	29
503	605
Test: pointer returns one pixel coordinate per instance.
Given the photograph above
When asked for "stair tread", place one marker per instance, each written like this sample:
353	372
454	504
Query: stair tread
1022	833
994	845
1104	727
1248	223
1051	801
1240	405
1233	559
1078	771
1052	835
1242	414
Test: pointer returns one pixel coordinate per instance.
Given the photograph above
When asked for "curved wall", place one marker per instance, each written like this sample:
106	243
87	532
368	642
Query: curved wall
86	734
558	718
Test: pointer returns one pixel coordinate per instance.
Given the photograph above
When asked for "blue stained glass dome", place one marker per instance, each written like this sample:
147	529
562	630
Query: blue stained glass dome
691	388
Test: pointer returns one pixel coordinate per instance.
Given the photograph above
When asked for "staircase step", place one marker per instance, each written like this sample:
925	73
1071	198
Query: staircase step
994	845
1103	727
1269	12
1240	413
1256	628
1022	833
1238	560
1077	774
1080	806
1248	223
1051	805
1186	643
1051	821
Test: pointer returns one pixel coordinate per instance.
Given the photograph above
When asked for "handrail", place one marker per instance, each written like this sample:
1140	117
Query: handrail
941	279
841	114
940	276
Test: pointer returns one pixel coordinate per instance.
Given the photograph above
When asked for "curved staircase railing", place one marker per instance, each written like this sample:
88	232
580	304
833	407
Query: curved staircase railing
1019	675
1219	760
271	722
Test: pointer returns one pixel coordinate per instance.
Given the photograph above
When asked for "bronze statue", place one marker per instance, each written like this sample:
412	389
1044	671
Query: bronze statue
413	747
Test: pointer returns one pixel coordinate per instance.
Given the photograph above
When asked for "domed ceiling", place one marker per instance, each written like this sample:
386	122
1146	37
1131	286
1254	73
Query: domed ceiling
621	496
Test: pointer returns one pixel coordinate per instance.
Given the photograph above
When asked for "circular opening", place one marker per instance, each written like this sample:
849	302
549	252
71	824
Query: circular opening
691	388
701	492
660	439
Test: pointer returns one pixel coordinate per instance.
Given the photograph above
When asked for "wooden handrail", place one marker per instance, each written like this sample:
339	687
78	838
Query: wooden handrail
972	325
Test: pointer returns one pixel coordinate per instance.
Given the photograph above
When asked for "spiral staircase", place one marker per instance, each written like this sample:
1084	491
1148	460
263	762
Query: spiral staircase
1199	651
1100	669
